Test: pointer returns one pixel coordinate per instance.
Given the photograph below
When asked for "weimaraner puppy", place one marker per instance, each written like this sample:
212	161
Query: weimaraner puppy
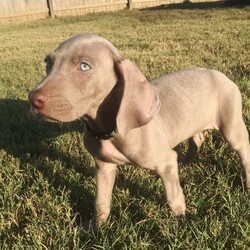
131	120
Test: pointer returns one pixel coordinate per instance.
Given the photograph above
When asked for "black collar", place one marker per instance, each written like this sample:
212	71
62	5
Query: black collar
101	136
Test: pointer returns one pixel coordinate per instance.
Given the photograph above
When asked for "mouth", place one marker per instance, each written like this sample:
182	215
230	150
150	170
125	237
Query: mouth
50	119
36	112
56	113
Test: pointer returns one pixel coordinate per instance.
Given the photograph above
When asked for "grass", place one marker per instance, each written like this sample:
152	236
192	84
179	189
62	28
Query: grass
47	181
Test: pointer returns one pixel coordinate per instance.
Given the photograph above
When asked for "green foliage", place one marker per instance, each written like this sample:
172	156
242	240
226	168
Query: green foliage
47	181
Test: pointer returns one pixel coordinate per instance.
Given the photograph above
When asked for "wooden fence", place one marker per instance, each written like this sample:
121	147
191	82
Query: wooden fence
24	10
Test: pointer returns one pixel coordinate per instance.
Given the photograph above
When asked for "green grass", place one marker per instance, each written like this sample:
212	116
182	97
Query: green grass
47	180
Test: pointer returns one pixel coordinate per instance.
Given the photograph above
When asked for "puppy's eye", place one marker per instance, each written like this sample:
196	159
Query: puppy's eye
84	67
49	64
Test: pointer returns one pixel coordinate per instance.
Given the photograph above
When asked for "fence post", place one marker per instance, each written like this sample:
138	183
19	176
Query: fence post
50	6
130	4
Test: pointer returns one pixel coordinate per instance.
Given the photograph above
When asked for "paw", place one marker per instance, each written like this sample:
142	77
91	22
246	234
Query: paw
182	219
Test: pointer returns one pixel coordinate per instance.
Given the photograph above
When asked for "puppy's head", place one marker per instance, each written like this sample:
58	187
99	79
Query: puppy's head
80	73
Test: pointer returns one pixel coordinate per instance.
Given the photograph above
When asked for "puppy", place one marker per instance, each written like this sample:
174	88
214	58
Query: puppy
131	120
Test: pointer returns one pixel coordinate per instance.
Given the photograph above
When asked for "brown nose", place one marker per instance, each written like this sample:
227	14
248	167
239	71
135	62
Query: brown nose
38	98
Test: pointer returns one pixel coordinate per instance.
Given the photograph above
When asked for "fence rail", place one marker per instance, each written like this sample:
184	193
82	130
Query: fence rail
24	10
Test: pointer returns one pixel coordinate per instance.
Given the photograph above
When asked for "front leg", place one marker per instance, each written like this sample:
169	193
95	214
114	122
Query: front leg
169	175
105	178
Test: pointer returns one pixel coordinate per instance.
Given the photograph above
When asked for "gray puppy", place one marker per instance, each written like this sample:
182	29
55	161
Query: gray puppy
131	120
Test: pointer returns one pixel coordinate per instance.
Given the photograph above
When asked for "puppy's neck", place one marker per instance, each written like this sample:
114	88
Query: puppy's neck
102	122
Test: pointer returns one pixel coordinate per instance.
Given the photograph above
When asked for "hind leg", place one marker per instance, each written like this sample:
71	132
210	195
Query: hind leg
237	136
194	143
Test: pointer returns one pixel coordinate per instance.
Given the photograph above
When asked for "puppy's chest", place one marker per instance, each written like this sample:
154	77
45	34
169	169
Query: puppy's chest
106	150
122	152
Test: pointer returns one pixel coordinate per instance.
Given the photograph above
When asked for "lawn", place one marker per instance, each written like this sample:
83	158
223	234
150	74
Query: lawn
47	182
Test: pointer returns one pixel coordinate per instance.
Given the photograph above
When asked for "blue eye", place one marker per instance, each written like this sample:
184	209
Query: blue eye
84	67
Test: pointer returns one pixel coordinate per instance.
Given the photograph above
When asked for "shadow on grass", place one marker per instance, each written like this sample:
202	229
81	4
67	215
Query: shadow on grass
30	139
202	6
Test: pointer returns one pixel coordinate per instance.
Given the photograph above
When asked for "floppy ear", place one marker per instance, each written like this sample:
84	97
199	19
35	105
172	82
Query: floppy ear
139	101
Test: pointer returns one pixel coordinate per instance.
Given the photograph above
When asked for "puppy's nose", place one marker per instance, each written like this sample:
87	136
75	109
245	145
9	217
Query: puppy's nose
38	98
